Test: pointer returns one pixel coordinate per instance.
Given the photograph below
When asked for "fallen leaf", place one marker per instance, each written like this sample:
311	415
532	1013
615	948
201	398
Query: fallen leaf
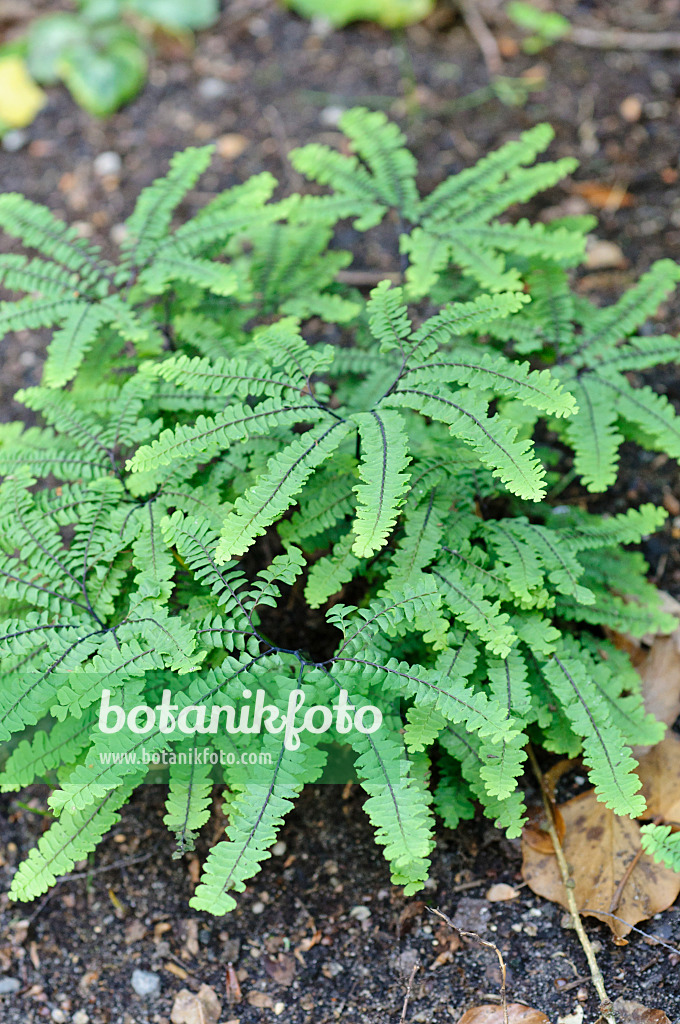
500	892
536	830
135	931
309	942
282	970
660	672
601	196
261	1000
20	97
202	1007
232	986
493	1014
628	1011
600	847
408	915
659	772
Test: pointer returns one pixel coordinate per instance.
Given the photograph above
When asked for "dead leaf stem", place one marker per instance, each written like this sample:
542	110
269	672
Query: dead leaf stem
606	1008
489	945
407	996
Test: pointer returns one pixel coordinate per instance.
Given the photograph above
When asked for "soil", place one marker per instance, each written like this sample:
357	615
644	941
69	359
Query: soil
316	937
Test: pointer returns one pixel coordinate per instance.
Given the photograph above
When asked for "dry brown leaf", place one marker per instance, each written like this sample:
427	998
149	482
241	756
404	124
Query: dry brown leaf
282	970
232	985
660	672
406	919
601	196
628	1011
501	891
491	1014
536	830
600	848
202	1007
260	999
659	771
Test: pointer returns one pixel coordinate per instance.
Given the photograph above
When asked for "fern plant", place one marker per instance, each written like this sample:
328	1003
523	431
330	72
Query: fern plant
226	429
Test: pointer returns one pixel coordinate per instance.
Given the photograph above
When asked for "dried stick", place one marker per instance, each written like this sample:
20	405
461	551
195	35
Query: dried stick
482	35
620	39
489	945
606	1008
407	996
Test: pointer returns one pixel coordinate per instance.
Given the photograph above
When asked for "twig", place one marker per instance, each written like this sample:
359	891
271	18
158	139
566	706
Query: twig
620	39
606	1008
616	898
489	945
598	38
368	278
407	996
638	931
482	35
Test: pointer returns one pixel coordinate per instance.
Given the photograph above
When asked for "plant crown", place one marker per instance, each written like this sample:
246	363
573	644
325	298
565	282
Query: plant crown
228	432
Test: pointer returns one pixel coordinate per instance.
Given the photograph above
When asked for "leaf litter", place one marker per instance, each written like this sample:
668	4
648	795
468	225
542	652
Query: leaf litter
610	872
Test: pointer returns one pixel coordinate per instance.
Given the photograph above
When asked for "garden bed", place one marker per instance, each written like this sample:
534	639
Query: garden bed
321	935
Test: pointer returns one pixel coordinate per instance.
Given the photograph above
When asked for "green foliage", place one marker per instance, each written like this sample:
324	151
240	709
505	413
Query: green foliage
229	438
388	13
100	53
546	27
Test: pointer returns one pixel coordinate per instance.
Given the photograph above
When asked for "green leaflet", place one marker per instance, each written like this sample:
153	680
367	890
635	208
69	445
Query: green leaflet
384	459
276	490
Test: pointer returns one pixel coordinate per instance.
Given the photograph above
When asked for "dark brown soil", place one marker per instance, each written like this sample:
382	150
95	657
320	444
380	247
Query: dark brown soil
261	82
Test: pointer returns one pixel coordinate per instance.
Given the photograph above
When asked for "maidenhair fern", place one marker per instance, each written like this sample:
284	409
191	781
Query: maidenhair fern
225	429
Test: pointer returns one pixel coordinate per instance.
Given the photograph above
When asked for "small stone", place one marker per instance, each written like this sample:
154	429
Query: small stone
9	985
107	163
213	88
58	1016
80	1017
118	233
231	145
320	26
631	109
258	907
501	891
279	1008
331	115
360	913
278	849
602	254
146	983
13	141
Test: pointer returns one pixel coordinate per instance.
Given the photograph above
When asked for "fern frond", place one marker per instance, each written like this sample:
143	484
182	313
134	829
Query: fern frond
276	489
384	448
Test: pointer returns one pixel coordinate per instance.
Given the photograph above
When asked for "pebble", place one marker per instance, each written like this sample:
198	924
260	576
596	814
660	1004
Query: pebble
258	907
80	1017
360	913
58	1016
278	849
13	141
118	233
212	88
8	985
107	163
331	115
146	983
631	109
